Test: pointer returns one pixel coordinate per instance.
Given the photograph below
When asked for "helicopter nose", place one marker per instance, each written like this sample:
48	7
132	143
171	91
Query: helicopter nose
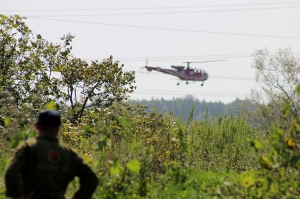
206	76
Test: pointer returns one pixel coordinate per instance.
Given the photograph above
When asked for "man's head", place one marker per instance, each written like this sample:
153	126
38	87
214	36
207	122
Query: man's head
48	122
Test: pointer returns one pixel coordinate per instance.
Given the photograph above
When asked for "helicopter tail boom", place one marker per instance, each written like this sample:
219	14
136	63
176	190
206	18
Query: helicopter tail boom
149	68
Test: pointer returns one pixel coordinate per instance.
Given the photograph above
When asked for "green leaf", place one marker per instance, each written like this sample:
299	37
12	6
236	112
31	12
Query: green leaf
294	160
70	112
87	159
114	170
14	25
286	109
50	106
279	131
17	16
297	126
265	162
134	165
6	121
102	142
266	183
298	89
258	145
248	181
15	142
40	86
3	16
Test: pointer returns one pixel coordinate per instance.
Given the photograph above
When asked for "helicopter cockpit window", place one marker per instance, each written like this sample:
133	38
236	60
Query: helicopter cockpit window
191	72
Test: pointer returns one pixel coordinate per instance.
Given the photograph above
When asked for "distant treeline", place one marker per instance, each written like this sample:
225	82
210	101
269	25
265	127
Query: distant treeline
181	107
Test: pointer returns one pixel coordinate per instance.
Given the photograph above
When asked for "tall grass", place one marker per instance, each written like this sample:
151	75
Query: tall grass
141	155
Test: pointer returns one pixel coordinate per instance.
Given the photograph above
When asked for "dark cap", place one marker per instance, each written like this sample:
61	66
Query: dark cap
49	119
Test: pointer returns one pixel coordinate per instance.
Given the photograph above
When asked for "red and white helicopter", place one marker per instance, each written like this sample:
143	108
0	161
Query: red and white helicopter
184	74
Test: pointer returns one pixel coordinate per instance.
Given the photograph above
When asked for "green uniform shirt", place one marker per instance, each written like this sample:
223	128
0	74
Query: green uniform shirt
45	166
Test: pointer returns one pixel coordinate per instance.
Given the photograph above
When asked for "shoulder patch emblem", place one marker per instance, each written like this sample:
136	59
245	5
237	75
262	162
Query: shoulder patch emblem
53	156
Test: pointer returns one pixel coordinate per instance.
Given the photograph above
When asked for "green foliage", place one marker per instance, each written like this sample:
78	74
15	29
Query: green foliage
35	71
180	107
204	159
50	106
142	155
138	154
99	85
278	77
134	165
282	160
27	63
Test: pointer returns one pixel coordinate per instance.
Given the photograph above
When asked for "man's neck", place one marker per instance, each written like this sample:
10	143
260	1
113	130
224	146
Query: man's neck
48	134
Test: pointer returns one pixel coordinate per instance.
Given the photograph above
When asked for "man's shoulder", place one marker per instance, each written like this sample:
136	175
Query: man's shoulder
28	143
65	145
41	142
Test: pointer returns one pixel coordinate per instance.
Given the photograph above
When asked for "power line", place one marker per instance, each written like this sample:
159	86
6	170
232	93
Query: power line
214	77
148	8
184	94
217	77
156	92
158	13
172	29
184	91
171	58
234	78
179	57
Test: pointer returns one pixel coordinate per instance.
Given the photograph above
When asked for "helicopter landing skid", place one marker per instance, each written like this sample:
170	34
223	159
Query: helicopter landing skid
187	82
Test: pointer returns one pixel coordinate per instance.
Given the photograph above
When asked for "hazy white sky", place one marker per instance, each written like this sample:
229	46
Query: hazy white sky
168	33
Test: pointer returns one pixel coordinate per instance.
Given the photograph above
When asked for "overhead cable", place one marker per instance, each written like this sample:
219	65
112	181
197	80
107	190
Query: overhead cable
170	58
214	77
172	29
149	8
159	13
215	94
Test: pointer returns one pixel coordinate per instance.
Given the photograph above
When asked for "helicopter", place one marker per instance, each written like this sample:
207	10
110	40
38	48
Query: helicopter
186	74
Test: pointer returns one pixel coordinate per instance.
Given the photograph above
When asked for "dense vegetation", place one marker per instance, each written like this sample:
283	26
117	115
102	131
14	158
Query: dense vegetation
180	107
137	153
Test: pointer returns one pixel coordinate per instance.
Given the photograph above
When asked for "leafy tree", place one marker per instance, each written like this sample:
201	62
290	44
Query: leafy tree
278	77
27	63
95	85
35	71
27	81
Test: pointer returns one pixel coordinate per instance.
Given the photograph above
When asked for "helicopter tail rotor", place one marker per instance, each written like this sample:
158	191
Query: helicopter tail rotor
142	69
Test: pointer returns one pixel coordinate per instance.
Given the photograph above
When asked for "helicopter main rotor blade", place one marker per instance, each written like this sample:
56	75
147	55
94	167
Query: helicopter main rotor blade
205	61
